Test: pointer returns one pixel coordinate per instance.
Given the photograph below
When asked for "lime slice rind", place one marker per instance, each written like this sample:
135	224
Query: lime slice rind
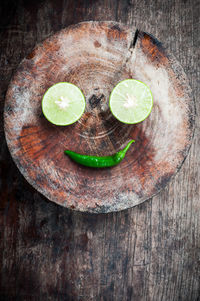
122	99
70	109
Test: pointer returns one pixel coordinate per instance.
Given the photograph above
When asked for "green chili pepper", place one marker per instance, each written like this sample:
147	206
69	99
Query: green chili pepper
96	161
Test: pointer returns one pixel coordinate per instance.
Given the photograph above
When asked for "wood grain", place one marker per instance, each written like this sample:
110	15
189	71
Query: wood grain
95	56
150	252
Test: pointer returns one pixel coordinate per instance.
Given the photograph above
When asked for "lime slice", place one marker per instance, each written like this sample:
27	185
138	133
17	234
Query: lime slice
131	101
63	103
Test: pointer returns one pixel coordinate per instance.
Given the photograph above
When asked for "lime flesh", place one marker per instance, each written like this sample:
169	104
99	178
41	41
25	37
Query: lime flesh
63	104
131	101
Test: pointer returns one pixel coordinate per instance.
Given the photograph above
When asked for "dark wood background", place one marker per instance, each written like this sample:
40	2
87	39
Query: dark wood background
150	252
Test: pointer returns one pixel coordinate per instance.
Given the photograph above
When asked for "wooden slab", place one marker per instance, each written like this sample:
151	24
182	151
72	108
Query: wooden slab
96	56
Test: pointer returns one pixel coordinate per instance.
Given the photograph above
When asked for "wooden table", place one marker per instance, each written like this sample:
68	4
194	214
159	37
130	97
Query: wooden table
149	252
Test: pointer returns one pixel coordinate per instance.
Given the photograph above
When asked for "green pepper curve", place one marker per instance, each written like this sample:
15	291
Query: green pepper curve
96	161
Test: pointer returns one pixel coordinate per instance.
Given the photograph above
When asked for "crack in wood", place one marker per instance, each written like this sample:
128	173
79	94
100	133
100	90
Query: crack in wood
134	40
95	100
130	50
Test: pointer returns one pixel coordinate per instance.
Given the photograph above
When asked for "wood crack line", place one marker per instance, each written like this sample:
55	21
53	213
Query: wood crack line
134	40
131	47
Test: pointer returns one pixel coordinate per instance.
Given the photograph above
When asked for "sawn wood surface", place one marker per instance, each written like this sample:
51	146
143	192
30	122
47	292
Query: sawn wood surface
95	56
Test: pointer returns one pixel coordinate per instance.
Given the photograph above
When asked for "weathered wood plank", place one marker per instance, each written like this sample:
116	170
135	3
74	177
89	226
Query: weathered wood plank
150	252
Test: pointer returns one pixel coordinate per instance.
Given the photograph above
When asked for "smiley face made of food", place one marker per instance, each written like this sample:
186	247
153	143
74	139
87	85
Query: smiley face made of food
95	57
130	102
